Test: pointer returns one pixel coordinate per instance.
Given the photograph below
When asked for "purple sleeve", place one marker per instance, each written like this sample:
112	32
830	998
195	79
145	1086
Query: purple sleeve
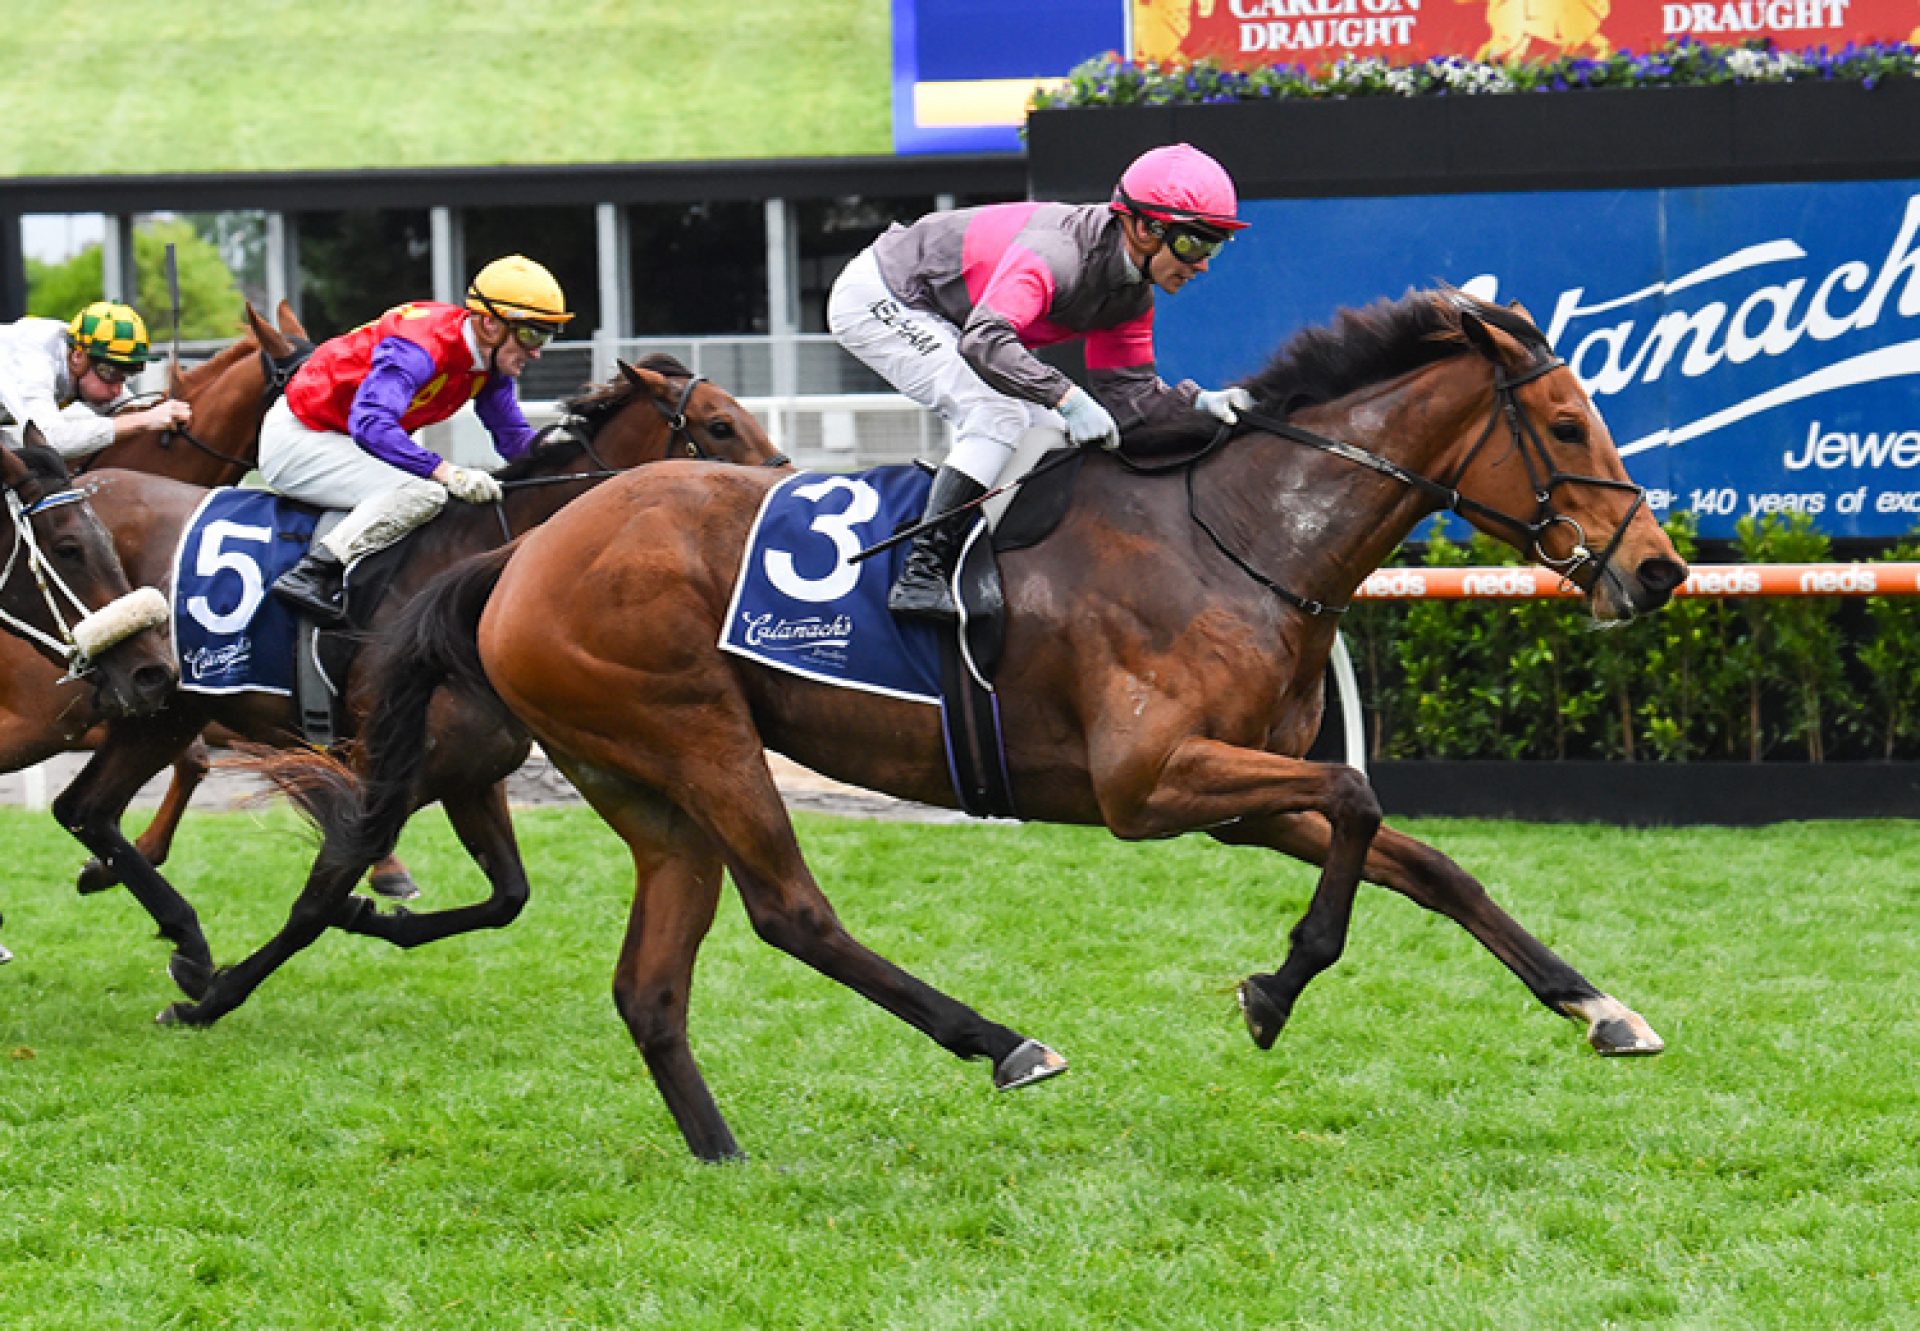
498	408
400	369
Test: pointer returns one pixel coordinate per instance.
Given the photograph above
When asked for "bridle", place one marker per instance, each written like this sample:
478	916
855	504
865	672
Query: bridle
1543	475
680	443
80	643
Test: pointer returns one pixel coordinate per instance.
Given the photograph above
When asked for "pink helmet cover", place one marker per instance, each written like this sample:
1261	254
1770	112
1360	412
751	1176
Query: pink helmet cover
1179	183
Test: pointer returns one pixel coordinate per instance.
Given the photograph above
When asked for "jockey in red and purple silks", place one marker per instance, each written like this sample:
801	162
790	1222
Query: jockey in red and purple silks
949	309
341	437
410	368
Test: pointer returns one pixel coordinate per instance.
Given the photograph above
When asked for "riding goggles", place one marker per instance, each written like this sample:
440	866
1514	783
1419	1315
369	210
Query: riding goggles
1190	245
531	337
110	374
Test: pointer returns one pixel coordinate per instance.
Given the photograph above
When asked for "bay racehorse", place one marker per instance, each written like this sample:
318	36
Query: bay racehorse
64	596
229	394
655	411
1162	673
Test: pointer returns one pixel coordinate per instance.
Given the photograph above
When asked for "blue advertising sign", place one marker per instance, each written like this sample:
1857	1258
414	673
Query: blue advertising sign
964	69
1754	349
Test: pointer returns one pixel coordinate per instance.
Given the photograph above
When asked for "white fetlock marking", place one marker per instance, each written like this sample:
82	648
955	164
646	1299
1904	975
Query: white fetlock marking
1606	1008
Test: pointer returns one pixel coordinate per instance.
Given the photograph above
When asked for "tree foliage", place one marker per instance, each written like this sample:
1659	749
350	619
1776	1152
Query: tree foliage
210	301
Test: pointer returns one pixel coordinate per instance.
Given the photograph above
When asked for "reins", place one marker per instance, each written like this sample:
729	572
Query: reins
1542	475
575	427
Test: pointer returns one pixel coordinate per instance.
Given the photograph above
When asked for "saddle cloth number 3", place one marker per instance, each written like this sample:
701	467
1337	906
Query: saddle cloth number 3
838	527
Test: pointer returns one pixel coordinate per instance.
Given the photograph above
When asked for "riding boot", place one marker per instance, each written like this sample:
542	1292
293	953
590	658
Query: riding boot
313	586
924	587
373	524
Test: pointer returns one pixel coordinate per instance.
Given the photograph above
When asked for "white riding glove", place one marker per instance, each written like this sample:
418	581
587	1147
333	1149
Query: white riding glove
1224	404
472	485
1087	421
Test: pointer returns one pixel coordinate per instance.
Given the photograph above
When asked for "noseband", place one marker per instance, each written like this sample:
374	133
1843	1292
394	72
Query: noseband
1542	475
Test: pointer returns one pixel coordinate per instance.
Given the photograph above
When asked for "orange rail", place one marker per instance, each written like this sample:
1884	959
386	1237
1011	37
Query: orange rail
1521	582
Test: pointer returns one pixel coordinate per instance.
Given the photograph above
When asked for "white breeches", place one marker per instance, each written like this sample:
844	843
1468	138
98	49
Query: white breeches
917	351
328	469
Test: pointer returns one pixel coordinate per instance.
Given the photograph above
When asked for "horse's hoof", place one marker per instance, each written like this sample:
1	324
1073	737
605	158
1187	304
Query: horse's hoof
395	886
95	877
5	956
193	977
1614	1029
1265	1018
178	1014
1031	1061
1618	1038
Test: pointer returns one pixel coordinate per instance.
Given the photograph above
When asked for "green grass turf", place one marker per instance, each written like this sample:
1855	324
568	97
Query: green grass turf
275	85
463	1136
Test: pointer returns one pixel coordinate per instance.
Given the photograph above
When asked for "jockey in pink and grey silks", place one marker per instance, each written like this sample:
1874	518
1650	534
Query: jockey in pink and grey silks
949	310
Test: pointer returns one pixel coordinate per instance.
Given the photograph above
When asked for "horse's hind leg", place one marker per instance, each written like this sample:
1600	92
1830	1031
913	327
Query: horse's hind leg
485	827
156	843
729	790
91	807
677	874
1424	875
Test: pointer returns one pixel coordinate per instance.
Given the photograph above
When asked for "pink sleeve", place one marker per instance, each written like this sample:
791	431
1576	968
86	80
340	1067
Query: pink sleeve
1122	347
1020	291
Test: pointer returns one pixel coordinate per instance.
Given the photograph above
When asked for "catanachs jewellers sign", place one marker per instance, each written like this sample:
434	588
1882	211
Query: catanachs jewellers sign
1754	349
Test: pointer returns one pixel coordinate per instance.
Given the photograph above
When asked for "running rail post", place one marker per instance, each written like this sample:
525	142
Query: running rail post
33	783
1346	687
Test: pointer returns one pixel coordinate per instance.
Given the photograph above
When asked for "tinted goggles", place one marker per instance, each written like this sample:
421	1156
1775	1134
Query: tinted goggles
110	374
531	337
1189	244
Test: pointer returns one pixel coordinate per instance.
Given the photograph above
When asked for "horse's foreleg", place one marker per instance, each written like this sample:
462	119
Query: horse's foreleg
485	828
156	843
91	807
1205	783
318	906
1423	875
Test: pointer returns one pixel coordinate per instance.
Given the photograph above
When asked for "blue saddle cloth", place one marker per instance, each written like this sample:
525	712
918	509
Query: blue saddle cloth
799	606
228	634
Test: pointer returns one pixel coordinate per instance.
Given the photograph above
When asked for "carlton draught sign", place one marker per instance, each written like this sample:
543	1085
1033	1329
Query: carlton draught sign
1754	349
1313	32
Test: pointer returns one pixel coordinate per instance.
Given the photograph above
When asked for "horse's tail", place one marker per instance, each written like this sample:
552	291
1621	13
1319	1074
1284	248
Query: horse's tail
433	643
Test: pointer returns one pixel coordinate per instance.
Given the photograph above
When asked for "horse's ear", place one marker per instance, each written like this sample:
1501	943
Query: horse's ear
271	339
1523	312
1479	336
289	322
644	380
13	467
176	381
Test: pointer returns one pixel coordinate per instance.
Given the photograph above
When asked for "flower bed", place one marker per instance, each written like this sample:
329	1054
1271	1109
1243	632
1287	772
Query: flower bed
1109	80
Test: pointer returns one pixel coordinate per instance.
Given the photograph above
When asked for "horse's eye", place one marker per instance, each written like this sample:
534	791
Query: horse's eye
1570	432
721	429
69	551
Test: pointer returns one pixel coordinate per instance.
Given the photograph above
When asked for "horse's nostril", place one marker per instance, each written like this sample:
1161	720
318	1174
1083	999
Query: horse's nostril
1661	575
152	682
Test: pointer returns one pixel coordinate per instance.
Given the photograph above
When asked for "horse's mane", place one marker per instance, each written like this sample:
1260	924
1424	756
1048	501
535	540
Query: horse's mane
1378	342
598	402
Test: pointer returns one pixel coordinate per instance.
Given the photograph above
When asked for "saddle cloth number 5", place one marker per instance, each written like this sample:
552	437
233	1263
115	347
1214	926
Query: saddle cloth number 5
212	558
863	504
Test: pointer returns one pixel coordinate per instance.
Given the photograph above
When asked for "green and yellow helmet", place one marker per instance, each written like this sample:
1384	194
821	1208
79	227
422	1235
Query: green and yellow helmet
518	290
109	331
